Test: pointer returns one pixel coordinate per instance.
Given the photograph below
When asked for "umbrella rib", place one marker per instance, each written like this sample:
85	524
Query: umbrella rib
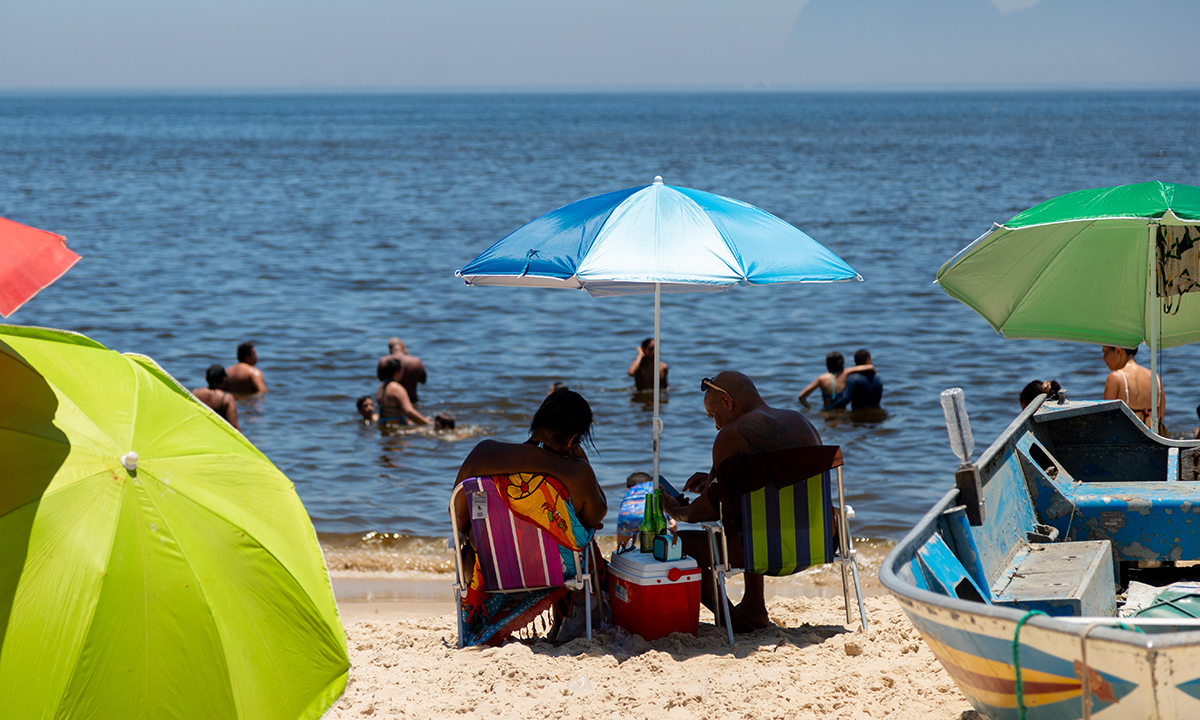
47	493
262	546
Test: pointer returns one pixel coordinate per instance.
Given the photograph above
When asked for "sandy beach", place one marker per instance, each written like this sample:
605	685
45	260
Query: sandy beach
404	664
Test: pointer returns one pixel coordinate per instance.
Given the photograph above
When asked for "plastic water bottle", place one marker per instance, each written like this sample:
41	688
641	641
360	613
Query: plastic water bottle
962	442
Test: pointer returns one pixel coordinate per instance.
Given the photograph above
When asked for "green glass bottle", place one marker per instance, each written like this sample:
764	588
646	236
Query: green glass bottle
646	530
660	517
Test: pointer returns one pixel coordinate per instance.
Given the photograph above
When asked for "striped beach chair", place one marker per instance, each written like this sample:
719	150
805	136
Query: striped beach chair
788	523
515	555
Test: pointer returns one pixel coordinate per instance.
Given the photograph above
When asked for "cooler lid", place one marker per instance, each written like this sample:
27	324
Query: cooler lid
643	565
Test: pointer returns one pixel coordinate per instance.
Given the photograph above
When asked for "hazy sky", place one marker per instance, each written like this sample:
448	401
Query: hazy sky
351	44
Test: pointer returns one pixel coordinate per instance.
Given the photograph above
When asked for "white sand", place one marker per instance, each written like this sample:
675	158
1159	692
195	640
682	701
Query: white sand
405	665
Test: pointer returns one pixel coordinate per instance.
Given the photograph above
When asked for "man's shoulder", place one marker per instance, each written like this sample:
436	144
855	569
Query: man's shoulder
769	428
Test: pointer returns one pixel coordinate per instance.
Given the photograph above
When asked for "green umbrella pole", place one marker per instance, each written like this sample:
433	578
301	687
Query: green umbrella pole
1152	304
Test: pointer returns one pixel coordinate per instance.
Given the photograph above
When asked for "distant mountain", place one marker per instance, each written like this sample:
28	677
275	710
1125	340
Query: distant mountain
972	42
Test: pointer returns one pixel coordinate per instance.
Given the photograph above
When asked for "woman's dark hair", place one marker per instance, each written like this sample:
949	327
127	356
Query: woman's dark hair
389	368
214	376
1131	352
646	343
564	413
834	362
1034	388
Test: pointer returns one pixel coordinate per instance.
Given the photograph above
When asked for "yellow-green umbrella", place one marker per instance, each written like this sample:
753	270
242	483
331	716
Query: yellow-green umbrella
153	563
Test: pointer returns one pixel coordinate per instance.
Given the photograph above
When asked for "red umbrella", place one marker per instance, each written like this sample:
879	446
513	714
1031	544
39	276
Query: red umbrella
30	259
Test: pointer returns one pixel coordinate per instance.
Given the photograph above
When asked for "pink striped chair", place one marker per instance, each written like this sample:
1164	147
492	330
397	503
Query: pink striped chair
515	555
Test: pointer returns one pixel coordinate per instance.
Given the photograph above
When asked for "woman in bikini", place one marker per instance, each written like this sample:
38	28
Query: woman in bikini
548	480
213	396
560	428
391	399
1131	383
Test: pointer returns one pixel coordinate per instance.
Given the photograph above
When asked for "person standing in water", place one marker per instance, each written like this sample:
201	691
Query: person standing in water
213	396
391	398
414	369
642	368
1131	383
864	388
243	377
831	382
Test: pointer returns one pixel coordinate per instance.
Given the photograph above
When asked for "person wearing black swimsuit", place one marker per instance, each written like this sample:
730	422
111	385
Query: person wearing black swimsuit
213	396
392	399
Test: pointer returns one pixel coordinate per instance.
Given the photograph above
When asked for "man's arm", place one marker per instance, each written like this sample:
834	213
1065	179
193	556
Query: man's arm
700	510
260	384
420	371
842	399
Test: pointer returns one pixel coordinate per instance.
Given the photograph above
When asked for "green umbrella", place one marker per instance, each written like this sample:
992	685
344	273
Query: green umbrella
1088	267
154	564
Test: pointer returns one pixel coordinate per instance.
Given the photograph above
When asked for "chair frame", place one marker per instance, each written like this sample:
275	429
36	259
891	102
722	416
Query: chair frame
718	547
458	541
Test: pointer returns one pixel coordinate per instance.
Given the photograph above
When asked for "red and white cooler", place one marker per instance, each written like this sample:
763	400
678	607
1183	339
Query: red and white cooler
654	598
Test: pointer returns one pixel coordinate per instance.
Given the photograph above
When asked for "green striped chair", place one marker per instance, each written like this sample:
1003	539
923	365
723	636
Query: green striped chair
787	518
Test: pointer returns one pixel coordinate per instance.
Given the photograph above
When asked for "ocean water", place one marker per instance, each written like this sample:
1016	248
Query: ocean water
319	226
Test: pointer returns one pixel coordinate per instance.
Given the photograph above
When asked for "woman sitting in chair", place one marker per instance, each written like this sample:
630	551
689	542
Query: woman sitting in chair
557	434
545	481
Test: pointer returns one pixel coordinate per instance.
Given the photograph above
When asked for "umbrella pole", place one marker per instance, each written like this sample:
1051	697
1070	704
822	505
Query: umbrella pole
1152	306
657	423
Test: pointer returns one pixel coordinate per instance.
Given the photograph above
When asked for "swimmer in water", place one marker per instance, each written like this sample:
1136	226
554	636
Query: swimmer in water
414	369
642	368
366	408
216	398
392	399
243	377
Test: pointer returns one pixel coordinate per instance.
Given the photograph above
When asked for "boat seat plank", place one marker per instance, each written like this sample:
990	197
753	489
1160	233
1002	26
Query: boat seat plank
1069	578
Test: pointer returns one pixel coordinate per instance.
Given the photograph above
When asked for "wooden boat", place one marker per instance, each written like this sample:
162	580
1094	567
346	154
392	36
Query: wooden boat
1072	502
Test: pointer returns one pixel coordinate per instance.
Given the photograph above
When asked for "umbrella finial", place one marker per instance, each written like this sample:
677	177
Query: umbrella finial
129	461
658	179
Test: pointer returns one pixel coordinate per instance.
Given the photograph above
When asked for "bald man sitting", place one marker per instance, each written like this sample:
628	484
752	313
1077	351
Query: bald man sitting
745	424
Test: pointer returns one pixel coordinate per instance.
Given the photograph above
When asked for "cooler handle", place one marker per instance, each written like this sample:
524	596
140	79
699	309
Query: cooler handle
675	573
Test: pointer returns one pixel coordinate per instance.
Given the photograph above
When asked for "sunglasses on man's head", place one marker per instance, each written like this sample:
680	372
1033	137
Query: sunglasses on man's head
707	383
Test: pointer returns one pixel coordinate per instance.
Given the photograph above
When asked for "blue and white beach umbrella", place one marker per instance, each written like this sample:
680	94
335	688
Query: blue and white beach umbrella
655	238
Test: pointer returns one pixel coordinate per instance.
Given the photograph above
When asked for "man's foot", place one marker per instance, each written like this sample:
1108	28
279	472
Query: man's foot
748	619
